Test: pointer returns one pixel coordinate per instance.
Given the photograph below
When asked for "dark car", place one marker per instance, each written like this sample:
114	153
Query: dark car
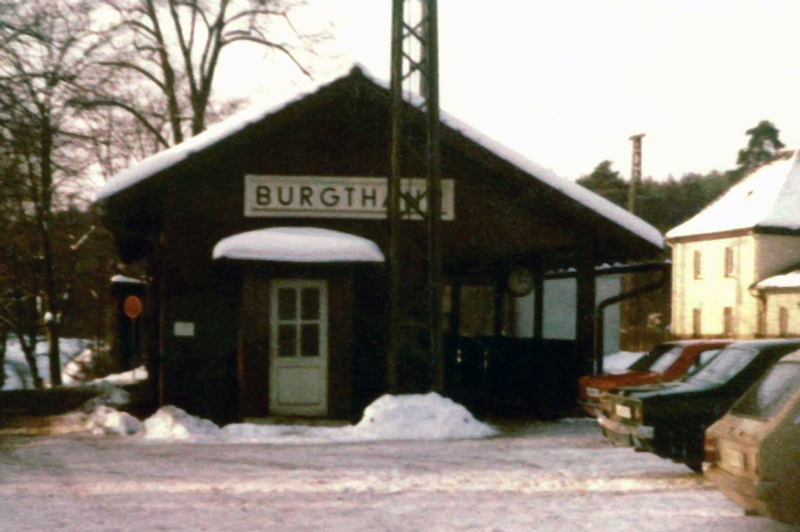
670	419
666	362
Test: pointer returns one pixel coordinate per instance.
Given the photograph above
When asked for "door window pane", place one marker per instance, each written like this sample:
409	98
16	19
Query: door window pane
310	340
287	340
287	304
310	304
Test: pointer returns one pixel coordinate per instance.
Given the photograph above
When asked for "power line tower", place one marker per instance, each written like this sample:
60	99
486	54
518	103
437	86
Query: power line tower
415	61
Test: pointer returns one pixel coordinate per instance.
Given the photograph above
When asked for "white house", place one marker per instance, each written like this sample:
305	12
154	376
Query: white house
736	264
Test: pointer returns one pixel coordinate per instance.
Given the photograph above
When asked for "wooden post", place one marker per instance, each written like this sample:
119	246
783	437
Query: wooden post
538	301
584	325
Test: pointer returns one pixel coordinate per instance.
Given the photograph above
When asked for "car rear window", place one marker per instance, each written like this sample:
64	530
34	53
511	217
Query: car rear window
703	360
666	360
644	363
725	366
766	398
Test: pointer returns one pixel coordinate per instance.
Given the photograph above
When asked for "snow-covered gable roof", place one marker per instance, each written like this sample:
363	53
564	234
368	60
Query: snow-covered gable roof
767	198
782	281
172	156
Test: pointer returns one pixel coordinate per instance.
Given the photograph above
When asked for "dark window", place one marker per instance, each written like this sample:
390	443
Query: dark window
727	321
724	367
666	360
697	326
310	304
765	399
309	340
729	262
287	340
698	266
287	304
783	322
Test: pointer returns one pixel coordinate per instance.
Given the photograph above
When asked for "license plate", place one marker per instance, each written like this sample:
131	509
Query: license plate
623	411
733	459
592	392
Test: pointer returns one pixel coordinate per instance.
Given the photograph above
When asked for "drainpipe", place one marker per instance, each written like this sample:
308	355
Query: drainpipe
762	309
597	352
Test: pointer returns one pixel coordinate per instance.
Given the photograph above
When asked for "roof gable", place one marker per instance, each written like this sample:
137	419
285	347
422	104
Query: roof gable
767	198
170	158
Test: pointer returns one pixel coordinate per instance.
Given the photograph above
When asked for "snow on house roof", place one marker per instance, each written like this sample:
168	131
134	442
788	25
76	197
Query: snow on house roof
768	197
172	156
298	244
786	280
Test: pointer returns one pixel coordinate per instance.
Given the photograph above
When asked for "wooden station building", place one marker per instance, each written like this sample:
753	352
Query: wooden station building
265	239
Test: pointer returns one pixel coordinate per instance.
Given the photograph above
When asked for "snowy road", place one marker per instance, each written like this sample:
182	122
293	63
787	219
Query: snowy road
537	477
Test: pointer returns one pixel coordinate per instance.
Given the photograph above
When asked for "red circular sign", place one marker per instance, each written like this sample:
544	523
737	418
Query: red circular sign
132	306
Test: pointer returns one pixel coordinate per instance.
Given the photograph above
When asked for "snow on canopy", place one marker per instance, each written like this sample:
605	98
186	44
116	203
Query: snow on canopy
122	279
768	197
298	244
786	280
176	154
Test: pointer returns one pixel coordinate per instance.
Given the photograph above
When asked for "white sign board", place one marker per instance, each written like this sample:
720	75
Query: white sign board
334	197
184	328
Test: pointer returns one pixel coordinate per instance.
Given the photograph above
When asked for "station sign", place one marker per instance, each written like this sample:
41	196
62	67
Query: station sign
335	197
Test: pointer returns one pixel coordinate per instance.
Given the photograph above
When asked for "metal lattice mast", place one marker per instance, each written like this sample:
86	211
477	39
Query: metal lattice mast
415	62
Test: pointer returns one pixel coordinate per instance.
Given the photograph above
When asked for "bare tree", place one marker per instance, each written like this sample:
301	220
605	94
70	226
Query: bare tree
48	57
171	50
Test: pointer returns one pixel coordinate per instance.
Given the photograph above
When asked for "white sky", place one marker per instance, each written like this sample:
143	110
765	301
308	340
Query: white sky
567	83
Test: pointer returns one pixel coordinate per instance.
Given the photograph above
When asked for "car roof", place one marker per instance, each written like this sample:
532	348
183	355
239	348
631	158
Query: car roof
794	356
763	343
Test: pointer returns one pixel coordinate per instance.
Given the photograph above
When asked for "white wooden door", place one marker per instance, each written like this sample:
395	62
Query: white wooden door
298	348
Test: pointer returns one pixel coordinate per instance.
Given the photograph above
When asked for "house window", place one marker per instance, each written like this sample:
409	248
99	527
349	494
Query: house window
728	262
727	321
697	328
783	322
697	265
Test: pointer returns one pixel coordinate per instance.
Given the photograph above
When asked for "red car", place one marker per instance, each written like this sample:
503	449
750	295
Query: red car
665	362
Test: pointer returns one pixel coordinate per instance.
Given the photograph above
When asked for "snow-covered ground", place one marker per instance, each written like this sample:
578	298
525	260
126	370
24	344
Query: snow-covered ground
555	476
18	373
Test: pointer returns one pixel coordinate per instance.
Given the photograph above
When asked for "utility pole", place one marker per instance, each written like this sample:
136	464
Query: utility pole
415	61
636	172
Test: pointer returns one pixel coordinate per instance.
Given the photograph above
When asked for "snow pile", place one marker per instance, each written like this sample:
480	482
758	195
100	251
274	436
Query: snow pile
419	417
620	362
406	417
107	420
111	396
129	377
171	423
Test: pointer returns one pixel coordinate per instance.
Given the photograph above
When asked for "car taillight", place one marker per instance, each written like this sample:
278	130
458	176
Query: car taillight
710	448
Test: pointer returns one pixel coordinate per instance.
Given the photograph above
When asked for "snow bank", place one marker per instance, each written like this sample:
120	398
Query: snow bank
107	420
405	417
171	423
419	417
129	377
620	362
